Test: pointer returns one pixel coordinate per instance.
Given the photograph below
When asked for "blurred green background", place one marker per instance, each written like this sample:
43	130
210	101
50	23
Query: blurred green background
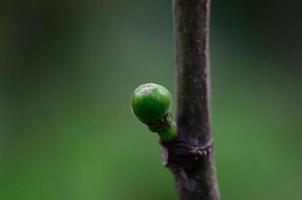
67	71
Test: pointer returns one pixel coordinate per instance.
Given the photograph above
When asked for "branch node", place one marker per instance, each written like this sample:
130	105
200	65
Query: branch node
176	152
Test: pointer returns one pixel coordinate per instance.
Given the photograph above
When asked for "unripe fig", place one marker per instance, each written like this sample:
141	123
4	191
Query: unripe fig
151	102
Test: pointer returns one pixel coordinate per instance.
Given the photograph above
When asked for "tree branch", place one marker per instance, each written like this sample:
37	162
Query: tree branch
189	154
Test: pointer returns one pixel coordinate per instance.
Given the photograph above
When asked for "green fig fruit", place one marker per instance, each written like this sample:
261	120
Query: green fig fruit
151	102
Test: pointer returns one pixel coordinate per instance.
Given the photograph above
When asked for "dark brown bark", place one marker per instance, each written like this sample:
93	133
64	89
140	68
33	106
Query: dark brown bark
189	154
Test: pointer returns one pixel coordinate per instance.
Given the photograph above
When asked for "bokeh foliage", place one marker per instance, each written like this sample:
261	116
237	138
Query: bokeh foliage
66	76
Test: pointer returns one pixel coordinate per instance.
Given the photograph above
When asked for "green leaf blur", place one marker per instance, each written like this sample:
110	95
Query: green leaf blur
67	72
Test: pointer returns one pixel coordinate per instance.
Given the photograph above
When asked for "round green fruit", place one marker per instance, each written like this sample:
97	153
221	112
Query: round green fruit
151	102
